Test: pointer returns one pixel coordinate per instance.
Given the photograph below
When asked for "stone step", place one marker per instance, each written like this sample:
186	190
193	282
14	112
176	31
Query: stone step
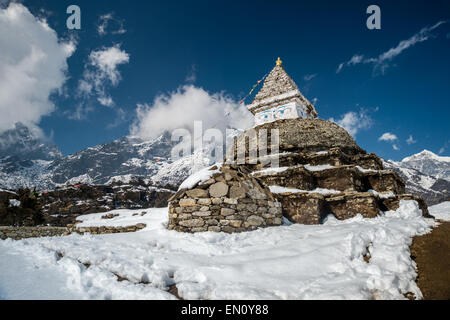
393	203
312	208
292	177
341	178
334	157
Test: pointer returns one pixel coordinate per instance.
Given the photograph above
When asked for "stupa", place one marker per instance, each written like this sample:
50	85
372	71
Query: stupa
322	171
280	98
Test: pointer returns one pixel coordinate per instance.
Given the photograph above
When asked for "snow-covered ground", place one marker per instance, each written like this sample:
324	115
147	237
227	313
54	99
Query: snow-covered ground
286	262
441	211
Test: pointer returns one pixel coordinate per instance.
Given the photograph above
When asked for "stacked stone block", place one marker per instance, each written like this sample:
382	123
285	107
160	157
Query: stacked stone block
230	201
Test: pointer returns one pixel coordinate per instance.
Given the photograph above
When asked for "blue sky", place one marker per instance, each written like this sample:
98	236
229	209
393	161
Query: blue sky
226	46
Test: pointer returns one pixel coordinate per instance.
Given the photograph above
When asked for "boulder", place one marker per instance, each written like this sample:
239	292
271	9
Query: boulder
219	189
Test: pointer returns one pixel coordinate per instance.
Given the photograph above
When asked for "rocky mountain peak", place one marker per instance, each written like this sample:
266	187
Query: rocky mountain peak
22	143
426	155
429	163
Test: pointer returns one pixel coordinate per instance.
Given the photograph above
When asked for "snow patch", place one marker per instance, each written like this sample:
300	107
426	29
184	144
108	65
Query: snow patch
365	170
83	179
270	171
200	177
318	168
382	195
279	189
14	203
441	211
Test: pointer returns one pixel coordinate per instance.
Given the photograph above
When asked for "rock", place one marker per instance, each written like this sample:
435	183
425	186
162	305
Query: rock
192	223
228	229
212	222
178	209
237	192
236	223
227	211
230	201
185	216
187	202
204	201
197	193
208	182
277	221
255	221
219	189
201	213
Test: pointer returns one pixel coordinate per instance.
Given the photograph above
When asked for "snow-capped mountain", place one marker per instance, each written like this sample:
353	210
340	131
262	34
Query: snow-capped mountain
429	163
36	164
25	159
426	174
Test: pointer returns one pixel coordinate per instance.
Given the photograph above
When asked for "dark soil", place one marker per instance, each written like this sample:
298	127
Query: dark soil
431	252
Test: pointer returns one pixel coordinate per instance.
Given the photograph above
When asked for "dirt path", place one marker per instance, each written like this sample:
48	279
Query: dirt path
431	252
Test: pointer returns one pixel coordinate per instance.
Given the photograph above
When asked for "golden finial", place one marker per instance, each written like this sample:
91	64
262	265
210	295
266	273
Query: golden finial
279	62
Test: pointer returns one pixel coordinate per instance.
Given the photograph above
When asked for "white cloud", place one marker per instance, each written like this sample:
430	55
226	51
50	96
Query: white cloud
388	137
354	121
181	108
381	63
102	71
192	75
410	140
309	77
354	60
121	116
395	147
33	65
80	112
108	21
442	150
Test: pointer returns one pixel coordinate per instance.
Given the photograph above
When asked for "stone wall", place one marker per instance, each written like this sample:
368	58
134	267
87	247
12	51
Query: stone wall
18	233
106	230
229	201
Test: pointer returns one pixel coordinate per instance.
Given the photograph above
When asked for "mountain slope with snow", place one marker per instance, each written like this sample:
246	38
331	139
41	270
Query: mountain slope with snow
25	159
32	163
413	170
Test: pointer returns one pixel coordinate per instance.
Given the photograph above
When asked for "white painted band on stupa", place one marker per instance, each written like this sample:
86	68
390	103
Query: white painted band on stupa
270	100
